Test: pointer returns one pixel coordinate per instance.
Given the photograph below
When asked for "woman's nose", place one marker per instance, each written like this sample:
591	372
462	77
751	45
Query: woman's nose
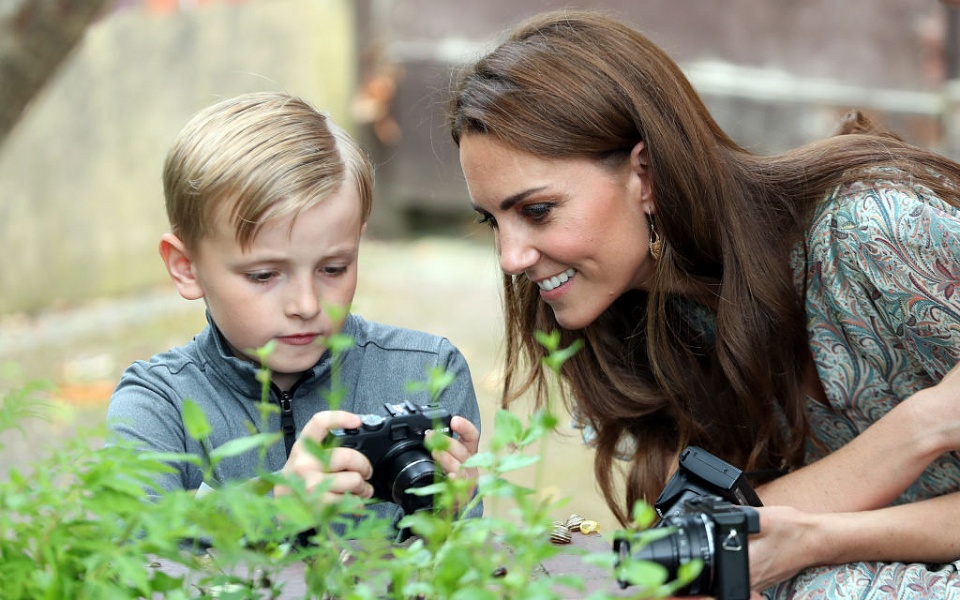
517	252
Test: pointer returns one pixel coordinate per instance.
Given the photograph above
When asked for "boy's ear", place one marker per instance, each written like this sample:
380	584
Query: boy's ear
180	266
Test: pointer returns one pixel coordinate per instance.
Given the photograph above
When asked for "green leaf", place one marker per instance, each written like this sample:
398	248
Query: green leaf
264	352
162	582
174	457
507	429
339	343
642	573
437	442
475	593
438	379
513	462
556	358
644	515
542	422
239	446
481	460
550	341
427	490
688	571
198	428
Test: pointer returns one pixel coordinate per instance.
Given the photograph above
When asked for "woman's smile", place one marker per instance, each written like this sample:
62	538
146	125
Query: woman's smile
552	283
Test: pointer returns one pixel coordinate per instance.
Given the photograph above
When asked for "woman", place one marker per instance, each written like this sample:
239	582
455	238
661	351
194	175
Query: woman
797	315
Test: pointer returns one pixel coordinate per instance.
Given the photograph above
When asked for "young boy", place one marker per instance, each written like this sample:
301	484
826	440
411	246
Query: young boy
267	201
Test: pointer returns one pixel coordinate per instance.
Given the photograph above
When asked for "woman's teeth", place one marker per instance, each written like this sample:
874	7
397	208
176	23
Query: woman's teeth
556	280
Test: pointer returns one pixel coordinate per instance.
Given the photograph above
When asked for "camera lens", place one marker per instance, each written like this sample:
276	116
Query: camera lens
692	539
412	467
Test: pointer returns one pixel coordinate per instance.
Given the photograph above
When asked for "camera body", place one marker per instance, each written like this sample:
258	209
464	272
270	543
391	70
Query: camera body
707	504
394	446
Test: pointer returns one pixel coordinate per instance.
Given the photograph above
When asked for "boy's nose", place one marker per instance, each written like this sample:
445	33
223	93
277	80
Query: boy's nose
517	253
303	301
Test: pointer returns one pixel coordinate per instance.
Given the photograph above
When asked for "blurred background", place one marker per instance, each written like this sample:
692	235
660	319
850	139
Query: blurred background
93	93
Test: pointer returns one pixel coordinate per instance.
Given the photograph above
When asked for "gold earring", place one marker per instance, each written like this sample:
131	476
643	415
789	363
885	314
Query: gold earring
656	242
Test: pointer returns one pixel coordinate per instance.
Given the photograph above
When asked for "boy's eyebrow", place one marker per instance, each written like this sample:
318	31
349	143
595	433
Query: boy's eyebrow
510	201
335	253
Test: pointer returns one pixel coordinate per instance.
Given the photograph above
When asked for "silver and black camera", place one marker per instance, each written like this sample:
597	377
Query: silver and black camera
394	446
707	506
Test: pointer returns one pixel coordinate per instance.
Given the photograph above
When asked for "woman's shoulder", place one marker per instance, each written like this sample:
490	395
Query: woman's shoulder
883	203
887	190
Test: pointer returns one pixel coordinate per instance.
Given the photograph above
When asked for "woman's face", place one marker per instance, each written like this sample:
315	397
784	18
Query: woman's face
575	227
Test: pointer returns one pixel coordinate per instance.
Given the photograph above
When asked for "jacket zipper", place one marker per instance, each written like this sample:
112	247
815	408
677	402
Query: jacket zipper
287	425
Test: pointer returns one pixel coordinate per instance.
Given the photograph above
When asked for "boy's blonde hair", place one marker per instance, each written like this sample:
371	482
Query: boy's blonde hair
262	156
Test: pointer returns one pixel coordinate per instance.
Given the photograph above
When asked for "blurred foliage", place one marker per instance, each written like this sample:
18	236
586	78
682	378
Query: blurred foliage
82	527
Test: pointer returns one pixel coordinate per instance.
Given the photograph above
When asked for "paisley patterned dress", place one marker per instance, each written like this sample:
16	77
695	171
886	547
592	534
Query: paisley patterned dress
882	281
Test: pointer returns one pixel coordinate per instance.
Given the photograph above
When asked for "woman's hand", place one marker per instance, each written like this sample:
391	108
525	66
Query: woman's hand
348	470
785	546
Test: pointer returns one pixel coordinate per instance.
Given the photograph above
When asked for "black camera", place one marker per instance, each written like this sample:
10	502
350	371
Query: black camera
707	506
394	446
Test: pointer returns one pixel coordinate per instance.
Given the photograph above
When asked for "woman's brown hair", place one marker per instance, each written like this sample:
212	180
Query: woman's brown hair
580	84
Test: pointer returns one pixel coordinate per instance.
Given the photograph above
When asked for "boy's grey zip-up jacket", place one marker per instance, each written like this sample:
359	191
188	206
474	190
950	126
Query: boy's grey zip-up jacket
146	406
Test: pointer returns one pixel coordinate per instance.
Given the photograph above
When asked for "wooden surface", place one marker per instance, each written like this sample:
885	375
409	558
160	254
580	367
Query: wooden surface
571	563
568	562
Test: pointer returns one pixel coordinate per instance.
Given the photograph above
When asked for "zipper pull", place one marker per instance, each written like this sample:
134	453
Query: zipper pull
287	425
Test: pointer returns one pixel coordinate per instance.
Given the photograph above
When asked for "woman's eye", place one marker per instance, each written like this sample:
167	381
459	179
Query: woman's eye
486	219
538	212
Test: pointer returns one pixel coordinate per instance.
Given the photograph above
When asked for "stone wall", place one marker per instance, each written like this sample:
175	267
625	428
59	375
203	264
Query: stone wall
774	73
80	195
81	205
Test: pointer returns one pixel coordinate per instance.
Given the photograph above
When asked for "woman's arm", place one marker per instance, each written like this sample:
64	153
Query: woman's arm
880	463
791	540
883	304
820	514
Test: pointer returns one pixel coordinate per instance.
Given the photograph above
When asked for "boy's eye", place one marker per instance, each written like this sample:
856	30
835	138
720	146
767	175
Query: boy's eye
260	276
333	271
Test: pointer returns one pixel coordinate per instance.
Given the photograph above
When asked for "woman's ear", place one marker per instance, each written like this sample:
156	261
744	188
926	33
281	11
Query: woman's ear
638	157
180	266
639	164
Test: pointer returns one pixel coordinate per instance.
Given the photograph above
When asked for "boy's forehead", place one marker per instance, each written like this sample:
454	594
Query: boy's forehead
343	209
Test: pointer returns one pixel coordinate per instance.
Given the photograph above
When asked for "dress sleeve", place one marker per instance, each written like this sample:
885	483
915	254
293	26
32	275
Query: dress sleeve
890	254
883	308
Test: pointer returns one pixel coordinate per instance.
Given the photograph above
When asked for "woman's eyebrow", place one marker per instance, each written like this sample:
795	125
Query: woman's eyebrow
510	201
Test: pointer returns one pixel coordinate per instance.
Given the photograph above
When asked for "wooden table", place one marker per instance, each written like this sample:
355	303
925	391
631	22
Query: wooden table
568	562
594	578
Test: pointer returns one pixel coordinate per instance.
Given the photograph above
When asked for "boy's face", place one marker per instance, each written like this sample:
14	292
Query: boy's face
282	287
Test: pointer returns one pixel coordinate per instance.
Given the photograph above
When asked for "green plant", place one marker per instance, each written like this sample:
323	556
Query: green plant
80	526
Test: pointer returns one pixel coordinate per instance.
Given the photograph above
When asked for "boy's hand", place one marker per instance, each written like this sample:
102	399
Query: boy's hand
452	458
348	468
